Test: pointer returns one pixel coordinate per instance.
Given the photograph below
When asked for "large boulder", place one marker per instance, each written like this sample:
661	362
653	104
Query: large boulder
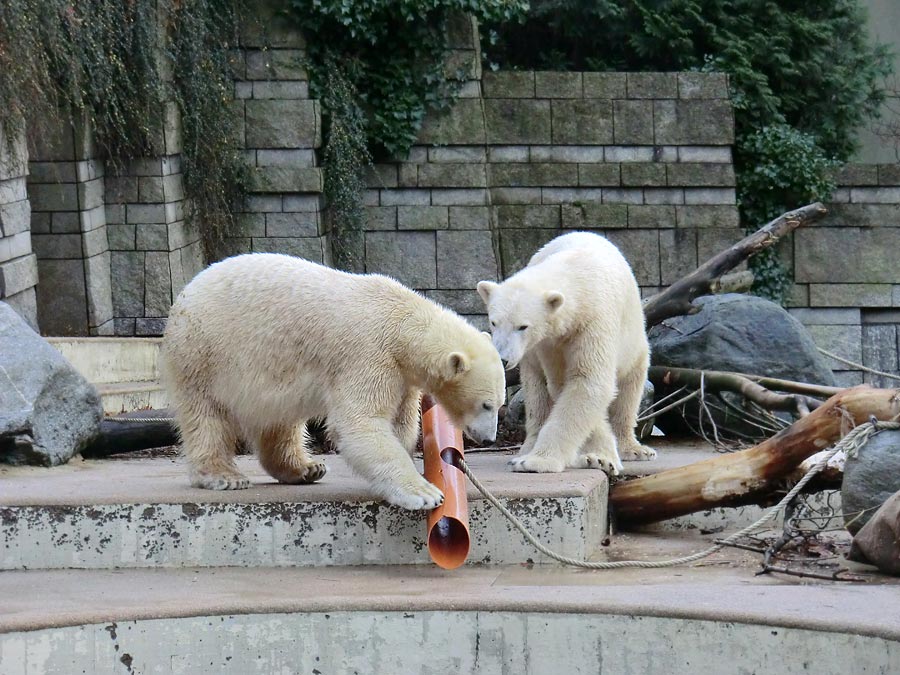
740	333
48	411
878	543
870	477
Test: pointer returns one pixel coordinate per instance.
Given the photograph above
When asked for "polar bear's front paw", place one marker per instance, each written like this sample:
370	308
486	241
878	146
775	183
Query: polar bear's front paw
536	464
227	481
609	465
637	453
415	496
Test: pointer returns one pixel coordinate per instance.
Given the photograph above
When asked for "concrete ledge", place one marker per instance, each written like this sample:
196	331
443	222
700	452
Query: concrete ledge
142	513
424	620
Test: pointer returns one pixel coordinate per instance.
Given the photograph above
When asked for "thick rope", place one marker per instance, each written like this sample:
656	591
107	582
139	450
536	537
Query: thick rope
137	420
858	366
852	442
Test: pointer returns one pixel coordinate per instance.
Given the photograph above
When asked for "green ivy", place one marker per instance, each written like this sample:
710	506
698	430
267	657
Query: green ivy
392	52
95	59
803	78
344	161
216	176
105	63
378	66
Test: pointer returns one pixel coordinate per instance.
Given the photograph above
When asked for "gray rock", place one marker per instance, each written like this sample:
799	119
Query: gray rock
739	333
870	478
645	429
48	411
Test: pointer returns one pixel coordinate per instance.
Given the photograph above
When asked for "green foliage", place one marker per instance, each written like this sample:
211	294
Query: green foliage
806	64
803	78
392	53
95	59
377	67
783	168
345	159
216	177
105	62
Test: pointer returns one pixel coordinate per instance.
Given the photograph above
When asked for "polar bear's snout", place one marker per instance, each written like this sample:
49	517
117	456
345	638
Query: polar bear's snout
483	428
510	344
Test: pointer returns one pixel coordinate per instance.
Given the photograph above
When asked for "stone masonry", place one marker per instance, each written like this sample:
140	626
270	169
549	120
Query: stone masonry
644	158
68	232
18	265
281	129
847	275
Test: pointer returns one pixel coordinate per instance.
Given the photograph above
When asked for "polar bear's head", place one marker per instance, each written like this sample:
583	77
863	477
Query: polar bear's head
520	317
474	388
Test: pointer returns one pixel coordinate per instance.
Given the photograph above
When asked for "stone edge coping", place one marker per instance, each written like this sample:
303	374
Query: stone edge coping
828	608
489	466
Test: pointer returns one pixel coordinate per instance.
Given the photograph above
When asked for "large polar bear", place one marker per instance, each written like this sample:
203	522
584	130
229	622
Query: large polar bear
258	344
573	321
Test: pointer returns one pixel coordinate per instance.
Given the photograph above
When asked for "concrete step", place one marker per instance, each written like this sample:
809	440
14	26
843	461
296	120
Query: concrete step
125	370
709	619
142	513
123	397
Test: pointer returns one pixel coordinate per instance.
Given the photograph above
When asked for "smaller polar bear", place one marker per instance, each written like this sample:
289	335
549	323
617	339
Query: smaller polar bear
258	344
572	319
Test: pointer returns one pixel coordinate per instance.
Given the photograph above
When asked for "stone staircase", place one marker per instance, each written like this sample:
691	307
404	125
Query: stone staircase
124	371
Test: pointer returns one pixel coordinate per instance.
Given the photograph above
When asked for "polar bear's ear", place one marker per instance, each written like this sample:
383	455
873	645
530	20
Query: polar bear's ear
554	299
485	288
457	363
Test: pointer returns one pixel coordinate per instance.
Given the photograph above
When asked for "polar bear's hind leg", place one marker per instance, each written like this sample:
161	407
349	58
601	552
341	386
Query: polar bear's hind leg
284	456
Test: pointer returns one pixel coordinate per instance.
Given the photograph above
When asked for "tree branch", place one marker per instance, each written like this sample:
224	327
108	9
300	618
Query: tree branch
747	476
677	299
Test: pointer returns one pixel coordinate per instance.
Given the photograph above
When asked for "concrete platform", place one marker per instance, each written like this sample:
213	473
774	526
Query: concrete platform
143	513
714	617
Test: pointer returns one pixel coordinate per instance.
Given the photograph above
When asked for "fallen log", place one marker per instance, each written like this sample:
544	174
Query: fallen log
747	476
132	432
677	299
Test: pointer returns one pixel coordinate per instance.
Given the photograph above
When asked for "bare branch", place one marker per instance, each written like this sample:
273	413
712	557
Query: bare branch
677	299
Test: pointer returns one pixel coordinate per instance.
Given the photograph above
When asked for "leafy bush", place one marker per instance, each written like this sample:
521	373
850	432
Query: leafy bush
803	78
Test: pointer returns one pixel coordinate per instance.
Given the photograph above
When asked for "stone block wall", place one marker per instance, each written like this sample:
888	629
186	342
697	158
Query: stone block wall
847	274
281	128
18	265
644	158
68	233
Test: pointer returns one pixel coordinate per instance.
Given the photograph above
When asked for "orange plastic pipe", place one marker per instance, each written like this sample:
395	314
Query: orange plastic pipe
448	524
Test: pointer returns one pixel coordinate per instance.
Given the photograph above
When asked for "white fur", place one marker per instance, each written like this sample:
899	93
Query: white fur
258	344
572	320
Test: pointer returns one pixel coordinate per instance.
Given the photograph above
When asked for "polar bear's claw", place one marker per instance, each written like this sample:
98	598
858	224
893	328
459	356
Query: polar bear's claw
638	453
536	464
304	474
592	460
418	497
234	481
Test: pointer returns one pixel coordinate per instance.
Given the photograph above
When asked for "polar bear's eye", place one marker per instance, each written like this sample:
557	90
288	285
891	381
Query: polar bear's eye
494	324
487	406
522	327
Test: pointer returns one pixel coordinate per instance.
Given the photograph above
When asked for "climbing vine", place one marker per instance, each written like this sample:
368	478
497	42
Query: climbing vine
377	67
105	64
345	158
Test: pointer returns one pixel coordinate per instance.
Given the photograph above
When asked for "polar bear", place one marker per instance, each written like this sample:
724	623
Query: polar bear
260	343
572	319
